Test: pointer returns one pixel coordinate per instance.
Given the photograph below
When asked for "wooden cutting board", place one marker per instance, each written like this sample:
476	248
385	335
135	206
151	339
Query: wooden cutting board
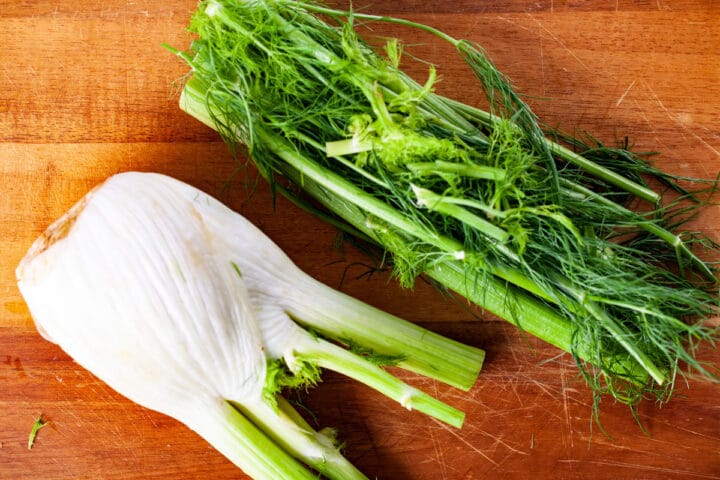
88	91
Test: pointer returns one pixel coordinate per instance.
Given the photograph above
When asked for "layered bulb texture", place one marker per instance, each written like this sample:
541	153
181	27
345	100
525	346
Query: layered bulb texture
186	308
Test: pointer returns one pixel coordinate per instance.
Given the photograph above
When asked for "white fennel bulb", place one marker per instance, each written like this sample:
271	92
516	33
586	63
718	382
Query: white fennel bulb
185	307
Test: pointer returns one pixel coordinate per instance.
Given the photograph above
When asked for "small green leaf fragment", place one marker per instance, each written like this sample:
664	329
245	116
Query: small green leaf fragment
237	269
39	423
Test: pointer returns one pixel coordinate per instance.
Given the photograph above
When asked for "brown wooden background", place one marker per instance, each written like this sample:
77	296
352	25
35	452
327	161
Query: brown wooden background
86	91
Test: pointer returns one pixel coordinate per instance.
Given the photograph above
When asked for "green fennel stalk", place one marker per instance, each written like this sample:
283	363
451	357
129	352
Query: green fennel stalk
485	203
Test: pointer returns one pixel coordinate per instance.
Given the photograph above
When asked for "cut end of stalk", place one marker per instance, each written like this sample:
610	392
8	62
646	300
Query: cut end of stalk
192	102
349	146
422	196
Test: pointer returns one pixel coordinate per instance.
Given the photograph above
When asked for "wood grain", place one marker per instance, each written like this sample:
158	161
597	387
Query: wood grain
87	91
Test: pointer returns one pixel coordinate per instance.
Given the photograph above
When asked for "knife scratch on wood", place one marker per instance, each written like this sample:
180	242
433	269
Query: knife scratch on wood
440	460
465	442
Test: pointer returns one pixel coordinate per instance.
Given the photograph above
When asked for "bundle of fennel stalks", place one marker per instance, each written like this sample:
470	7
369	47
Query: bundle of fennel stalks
534	226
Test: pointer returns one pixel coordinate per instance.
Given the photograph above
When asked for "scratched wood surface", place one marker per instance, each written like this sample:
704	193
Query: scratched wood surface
87	91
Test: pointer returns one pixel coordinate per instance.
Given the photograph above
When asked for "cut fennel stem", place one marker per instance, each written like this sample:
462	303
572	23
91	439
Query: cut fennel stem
180	304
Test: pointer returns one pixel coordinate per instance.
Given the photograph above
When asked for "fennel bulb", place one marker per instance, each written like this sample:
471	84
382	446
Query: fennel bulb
184	307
